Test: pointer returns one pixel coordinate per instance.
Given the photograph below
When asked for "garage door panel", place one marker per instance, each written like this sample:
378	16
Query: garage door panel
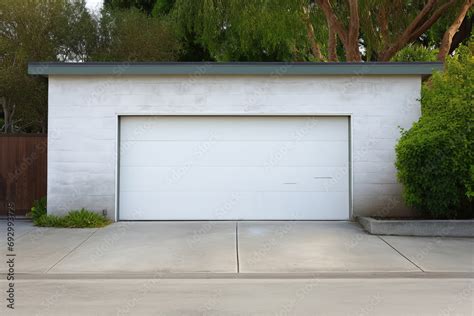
251	128
224	179
234	205
219	153
185	168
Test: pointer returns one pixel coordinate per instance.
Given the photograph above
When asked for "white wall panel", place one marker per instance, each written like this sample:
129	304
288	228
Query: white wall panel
83	110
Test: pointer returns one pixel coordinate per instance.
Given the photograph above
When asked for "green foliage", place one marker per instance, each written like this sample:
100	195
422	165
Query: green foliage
162	7
382	23
470	185
74	219
276	30
435	157
416	52
434	35
38	209
55	30
49	221
145	6
133	36
84	219
264	30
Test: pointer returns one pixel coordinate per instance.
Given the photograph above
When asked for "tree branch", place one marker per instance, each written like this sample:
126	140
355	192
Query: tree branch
315	49
414	30
464	32
418	19
349	38
332	44
383	22
449	34
333	20
432	20
353	33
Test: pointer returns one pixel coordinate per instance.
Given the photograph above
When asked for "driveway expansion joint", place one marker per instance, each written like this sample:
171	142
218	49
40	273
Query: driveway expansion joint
237	245
244	275
401	254
72	250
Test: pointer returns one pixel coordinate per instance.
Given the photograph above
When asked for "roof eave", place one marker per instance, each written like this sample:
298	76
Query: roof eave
275	69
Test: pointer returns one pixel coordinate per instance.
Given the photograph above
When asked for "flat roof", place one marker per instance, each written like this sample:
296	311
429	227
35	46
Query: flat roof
234	68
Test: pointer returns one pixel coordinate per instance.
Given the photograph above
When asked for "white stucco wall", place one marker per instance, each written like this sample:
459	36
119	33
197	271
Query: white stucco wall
83	125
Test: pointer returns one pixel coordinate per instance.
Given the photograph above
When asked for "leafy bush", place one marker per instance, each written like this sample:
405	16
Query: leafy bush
416	52
49	221
84	219
38	209
74	219
435	157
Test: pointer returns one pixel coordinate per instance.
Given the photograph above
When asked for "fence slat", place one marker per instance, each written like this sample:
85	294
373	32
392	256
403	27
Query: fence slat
22	171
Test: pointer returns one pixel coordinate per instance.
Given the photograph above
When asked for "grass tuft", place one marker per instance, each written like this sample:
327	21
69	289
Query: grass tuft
74	219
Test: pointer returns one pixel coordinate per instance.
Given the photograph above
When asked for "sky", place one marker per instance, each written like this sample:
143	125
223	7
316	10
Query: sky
94	5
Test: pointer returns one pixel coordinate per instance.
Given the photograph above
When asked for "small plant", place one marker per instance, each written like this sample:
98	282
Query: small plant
74	219
49	221
84	219
38	209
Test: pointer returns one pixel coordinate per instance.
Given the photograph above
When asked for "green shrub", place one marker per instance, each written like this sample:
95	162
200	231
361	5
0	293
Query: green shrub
416	52
435	157
74	219
84	219
49	221
38	209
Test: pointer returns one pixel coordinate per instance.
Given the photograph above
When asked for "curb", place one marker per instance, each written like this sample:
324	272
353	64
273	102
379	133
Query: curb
244	276
422	228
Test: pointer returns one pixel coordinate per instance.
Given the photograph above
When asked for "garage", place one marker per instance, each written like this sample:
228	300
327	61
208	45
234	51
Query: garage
234	168
229	141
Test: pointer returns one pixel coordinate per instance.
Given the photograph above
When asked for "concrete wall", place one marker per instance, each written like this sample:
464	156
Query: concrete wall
83	125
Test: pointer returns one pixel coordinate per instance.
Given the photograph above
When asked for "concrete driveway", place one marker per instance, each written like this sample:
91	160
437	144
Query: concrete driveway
226	248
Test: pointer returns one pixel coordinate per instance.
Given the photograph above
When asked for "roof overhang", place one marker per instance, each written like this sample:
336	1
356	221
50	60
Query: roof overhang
235	68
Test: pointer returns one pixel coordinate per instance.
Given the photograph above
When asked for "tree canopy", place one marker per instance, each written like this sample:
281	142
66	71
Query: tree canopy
320	30
213	30
37	31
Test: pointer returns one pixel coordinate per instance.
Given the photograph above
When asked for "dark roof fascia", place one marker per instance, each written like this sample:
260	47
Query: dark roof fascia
237	68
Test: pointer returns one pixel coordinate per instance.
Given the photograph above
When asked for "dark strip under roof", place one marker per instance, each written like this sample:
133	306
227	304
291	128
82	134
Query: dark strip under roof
237	68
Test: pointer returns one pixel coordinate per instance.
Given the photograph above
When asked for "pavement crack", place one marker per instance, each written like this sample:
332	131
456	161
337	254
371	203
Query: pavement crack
401	254
237	245
73	249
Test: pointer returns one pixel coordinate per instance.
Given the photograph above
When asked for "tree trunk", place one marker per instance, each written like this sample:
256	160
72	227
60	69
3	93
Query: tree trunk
353	33
464	32
315	49
416	28
332	44
449	34
8	115
349	38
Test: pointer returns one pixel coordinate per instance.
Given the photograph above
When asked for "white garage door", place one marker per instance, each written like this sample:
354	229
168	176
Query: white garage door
233	167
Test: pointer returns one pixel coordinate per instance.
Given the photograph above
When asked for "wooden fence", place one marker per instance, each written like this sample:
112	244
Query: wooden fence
22	170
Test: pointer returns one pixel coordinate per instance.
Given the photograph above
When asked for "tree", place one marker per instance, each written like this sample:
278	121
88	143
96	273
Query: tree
262	30
447	41
130	35
145	6
317	29
349	35
56	30
390	26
